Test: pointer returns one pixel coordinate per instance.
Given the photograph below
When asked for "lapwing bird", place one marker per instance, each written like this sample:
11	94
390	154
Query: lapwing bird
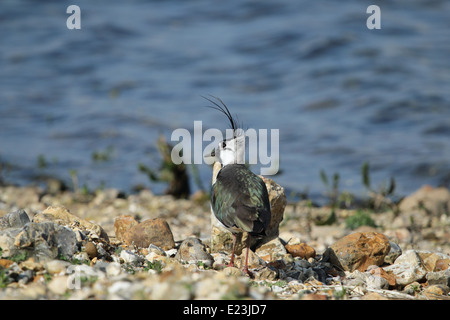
239	198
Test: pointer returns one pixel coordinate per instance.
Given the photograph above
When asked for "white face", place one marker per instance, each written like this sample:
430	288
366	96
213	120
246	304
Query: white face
231	151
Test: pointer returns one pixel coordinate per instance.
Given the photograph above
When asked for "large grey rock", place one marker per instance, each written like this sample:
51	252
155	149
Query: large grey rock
43	241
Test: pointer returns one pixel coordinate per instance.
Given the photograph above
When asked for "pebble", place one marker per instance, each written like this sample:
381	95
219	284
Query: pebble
91	250
56	266
130	257
58	285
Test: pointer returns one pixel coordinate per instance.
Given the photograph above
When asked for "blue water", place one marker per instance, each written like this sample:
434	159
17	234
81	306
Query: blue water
339	93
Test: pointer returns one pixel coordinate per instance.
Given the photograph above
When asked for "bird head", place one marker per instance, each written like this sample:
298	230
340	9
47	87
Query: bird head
232	149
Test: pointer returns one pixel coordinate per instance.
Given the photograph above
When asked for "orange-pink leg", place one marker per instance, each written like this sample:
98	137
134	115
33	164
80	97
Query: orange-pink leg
231	264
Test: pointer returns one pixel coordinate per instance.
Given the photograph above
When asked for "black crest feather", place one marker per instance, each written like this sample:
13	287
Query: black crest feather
220	106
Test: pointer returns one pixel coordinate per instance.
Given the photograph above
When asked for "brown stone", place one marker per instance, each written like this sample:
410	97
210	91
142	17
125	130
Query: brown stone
359	250
122	224
301	250
6	263
153	231
91	250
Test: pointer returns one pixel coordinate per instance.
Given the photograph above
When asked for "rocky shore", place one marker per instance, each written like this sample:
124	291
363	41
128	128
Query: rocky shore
107	245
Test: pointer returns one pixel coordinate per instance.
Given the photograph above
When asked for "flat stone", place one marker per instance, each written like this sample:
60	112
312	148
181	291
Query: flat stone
153	231
358	250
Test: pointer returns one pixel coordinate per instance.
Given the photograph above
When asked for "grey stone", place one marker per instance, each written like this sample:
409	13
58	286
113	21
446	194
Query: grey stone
193	250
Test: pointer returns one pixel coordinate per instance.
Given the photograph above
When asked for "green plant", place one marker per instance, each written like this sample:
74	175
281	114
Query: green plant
174	174
155	265
333	187
18	257
360	218
380	198
4	279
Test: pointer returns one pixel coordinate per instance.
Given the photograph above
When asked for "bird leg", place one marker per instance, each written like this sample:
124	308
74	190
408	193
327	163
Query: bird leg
231	264
246	257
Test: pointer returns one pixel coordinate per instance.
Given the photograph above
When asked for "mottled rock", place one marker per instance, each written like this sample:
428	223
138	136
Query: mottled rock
122	224
380	272
62	216
358	250
153	231
278	201
272	250
193	250
431	259
407	268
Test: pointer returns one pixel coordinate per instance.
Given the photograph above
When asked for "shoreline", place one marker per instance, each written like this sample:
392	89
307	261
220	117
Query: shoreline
420	225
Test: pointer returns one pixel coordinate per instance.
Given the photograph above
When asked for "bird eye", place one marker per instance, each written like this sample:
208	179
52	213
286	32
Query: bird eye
224	144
